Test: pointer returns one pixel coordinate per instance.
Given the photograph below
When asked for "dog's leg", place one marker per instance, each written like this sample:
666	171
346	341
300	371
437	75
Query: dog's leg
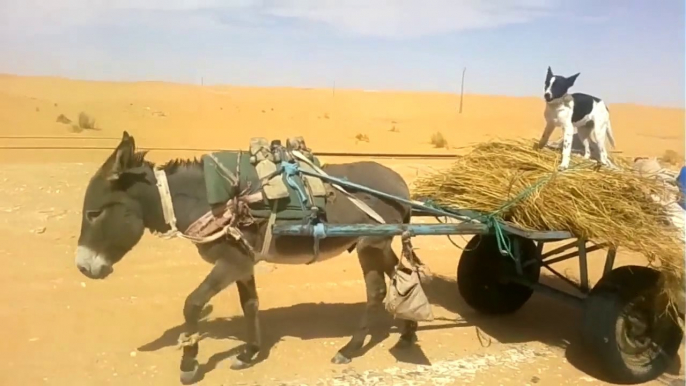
600	134
584	134
567	137
549	128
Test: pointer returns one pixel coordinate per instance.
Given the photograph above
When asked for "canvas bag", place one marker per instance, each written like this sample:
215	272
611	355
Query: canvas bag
405	298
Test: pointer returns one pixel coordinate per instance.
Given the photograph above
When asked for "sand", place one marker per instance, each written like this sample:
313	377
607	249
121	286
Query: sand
58	328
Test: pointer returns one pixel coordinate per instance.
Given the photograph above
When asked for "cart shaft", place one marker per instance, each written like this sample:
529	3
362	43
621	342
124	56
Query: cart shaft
359	230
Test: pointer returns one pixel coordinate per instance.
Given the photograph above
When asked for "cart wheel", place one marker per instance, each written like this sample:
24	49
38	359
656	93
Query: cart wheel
625	326
482	275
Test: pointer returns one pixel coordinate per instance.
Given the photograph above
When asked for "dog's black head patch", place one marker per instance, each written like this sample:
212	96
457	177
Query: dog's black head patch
557	86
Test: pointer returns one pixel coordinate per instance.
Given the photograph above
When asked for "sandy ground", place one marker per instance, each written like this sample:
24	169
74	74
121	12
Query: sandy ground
60	329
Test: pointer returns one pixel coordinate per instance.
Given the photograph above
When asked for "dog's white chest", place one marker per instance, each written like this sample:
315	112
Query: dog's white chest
559	114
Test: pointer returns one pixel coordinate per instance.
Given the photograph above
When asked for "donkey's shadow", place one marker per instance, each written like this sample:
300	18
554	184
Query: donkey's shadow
304	321
308	321
542	319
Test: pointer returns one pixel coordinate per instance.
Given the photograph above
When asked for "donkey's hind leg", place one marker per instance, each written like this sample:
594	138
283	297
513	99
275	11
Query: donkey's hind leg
247	291
370	252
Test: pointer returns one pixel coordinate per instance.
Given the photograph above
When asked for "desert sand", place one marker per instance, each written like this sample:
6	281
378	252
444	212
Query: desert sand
58	328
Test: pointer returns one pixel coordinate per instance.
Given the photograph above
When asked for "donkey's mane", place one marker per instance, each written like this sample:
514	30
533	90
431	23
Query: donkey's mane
171	166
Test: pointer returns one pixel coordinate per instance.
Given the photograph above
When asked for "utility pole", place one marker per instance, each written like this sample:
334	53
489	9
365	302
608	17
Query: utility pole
462	88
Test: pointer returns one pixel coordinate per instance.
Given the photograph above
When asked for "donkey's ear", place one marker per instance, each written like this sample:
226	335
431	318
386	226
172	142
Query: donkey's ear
549	75
121	159
572	79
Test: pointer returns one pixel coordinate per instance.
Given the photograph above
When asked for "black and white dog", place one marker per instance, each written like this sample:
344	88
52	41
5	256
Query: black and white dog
581	111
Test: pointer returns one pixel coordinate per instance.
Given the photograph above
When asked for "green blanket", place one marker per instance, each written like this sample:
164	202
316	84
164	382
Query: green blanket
220	190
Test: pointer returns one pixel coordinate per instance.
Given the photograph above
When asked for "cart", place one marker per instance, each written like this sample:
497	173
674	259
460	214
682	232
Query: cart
623	324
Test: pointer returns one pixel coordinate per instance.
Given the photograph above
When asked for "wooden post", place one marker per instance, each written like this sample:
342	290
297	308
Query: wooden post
462	88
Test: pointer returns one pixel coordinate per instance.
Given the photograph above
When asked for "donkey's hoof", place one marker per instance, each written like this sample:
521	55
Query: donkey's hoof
406	341
189	372
340	359
238	364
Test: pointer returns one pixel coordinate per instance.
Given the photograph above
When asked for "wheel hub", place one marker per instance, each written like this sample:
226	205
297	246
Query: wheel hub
635	331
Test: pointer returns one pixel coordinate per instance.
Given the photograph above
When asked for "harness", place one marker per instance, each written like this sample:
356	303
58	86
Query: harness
229	218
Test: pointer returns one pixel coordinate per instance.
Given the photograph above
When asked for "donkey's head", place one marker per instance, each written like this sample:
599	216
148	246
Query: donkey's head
112	220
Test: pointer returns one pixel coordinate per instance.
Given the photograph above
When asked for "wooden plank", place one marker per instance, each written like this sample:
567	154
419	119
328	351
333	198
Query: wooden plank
466	213
536	235
609	260
533	235
559	250
357	230
583	267
573	254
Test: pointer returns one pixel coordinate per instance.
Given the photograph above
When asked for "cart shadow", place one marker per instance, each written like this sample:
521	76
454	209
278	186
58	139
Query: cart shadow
542	319
303	321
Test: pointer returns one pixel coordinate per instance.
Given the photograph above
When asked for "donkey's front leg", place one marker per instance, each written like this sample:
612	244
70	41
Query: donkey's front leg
247	291
222	275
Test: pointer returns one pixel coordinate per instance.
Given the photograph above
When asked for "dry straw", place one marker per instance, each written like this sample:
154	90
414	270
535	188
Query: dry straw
602	205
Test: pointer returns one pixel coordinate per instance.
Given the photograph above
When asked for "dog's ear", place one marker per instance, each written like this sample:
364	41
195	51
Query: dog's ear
572	79
549	75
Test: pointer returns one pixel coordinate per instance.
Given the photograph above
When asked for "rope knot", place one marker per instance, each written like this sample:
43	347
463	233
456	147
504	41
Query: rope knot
188	340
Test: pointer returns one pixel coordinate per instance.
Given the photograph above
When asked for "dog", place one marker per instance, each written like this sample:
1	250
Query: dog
584	112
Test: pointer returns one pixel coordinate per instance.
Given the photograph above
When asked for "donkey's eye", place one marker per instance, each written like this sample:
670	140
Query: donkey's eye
92	215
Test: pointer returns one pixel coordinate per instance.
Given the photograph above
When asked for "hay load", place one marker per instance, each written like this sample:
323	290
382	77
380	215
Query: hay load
619	207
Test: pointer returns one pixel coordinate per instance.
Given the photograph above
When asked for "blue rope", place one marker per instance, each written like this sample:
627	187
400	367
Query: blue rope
319	231
291	170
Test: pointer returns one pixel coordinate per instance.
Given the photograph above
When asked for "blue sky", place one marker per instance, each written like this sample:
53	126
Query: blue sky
626	50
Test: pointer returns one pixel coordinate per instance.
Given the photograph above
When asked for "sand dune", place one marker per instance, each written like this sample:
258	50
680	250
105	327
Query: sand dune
176	115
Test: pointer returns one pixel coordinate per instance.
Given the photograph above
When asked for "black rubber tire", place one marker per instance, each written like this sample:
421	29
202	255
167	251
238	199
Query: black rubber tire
482	275
605	321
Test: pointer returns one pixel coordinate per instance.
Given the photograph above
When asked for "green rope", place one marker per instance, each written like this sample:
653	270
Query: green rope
493	219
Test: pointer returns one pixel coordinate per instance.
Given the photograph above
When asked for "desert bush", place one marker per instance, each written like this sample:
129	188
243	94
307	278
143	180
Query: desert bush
362	137
438	140
86	121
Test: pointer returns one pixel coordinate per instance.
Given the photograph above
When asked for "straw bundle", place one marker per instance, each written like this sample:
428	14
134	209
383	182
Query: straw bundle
602	205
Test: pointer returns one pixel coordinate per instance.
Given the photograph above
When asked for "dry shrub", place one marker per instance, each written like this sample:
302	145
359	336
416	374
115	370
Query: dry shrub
86	121
63	119
362	137
438	140
600	205
75	128
671	157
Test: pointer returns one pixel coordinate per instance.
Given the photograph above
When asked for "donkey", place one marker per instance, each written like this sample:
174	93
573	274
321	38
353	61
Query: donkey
122	200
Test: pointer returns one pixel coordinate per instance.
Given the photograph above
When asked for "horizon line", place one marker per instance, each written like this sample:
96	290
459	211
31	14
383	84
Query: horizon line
320	88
